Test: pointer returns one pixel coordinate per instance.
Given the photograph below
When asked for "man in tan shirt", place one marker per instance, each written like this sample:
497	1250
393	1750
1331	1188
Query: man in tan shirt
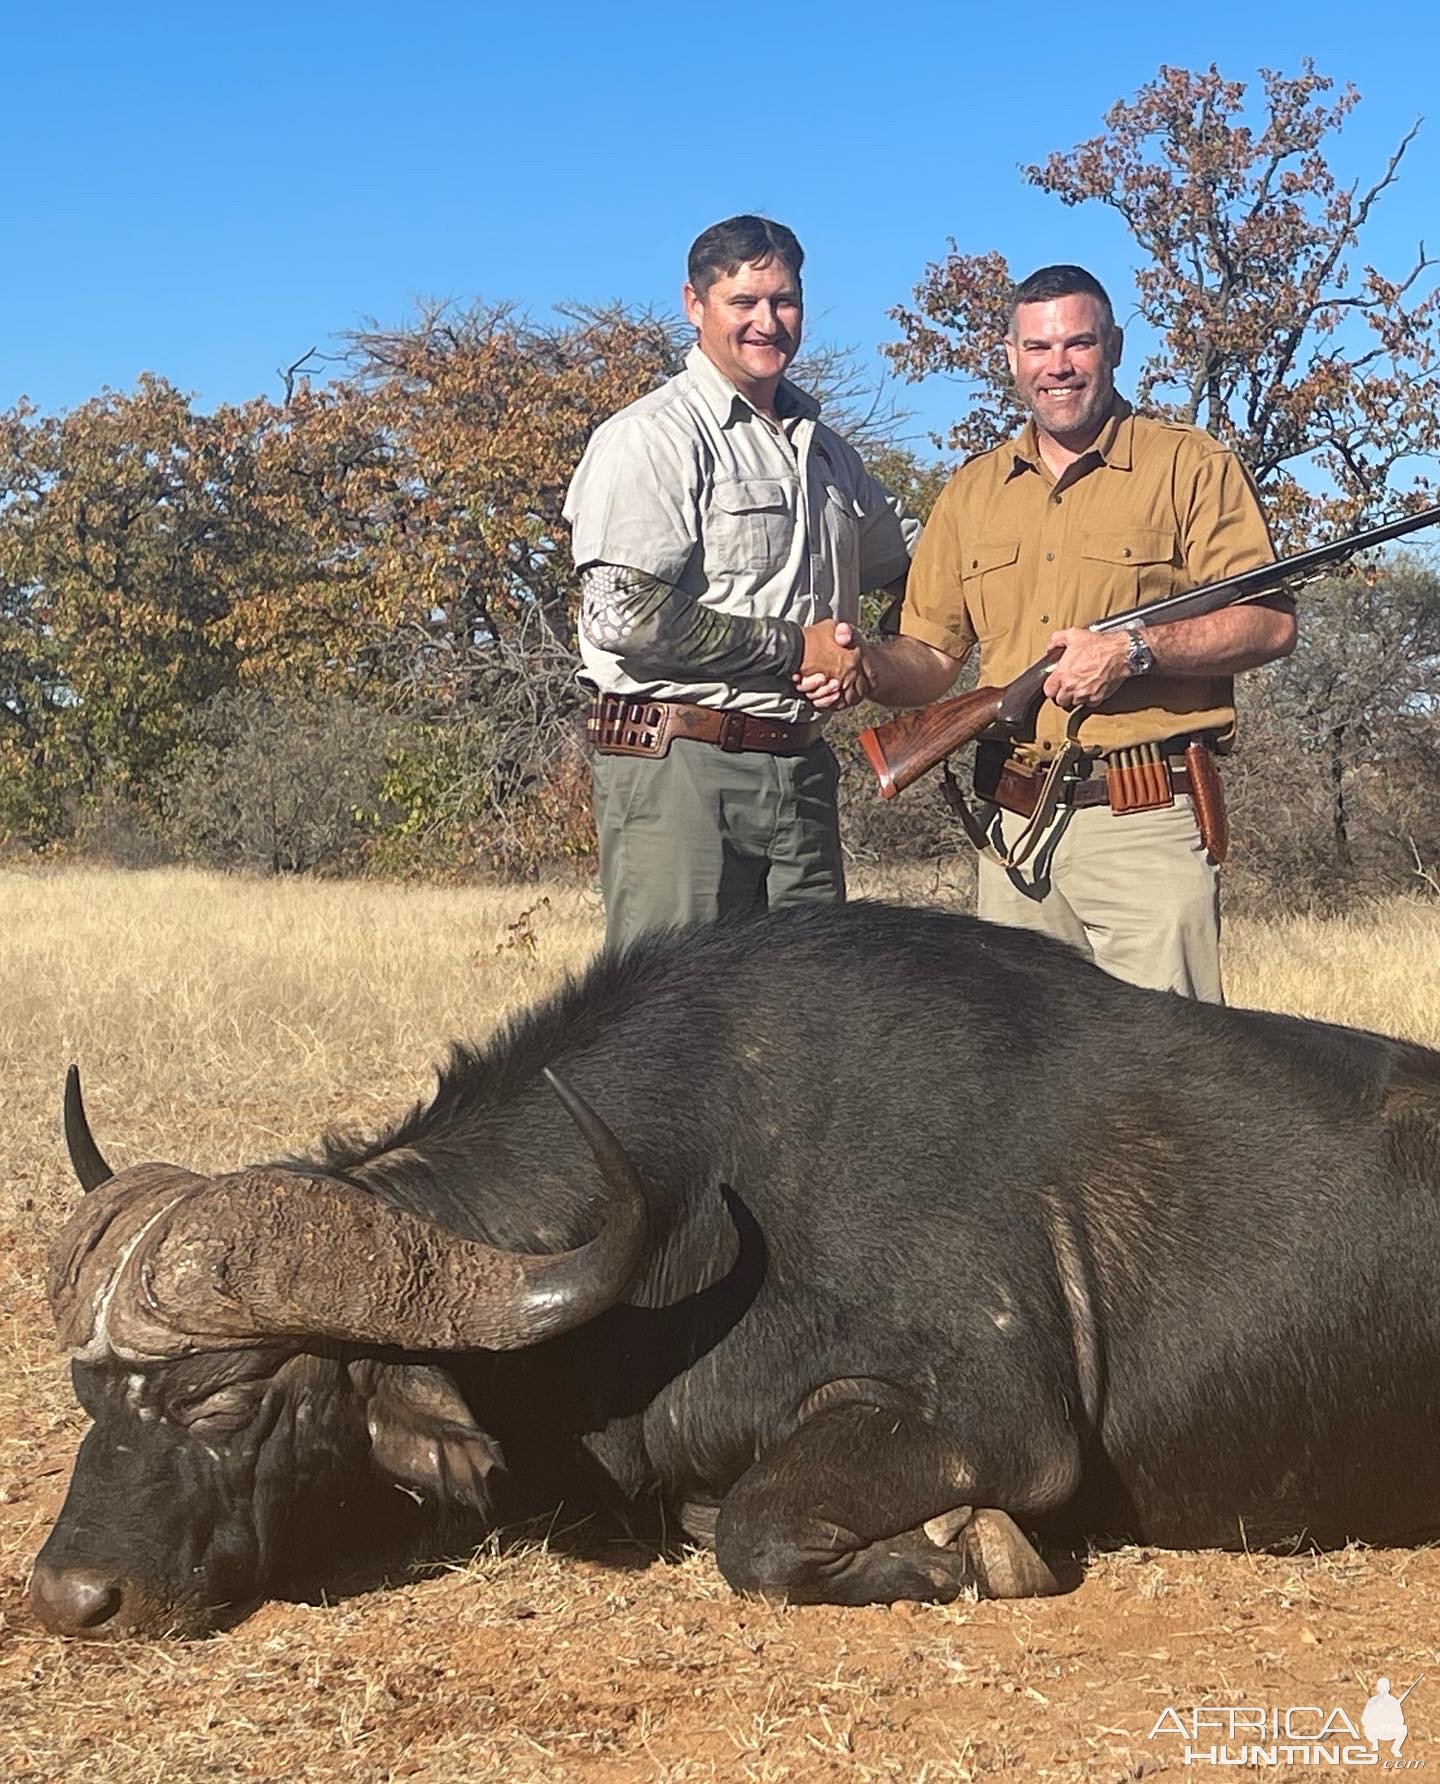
1090	511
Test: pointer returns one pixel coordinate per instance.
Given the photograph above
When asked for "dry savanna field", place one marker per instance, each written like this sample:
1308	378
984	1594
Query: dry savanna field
219	1021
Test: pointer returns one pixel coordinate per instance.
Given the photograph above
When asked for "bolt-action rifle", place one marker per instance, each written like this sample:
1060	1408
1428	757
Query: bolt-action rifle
910	744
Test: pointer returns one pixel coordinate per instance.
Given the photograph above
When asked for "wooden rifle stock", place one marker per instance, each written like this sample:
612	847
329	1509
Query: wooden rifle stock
910	744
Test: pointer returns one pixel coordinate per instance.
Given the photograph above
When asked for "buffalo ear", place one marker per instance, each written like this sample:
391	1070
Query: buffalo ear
423	1436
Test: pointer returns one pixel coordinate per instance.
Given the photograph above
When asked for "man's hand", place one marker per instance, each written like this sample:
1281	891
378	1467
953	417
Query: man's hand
1093	666
832	672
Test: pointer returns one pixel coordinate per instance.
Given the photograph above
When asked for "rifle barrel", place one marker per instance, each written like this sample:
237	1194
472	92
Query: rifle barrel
911	743
1265	578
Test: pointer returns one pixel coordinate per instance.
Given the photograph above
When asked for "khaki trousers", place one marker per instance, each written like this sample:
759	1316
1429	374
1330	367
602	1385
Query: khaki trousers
1138	894
699	834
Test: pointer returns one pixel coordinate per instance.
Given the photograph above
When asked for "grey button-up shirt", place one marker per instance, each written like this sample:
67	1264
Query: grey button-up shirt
692	485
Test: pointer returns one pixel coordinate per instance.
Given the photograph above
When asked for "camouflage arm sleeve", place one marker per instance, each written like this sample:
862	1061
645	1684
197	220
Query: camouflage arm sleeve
655	629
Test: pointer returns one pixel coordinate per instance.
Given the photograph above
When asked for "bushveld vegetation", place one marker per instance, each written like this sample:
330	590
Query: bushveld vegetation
332	630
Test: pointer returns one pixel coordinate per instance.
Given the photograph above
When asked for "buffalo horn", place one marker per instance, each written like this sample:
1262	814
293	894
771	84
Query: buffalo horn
277	1253
86	1158
616	1171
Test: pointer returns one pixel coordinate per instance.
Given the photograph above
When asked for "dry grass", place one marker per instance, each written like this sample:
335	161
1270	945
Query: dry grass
1378	967
242	1015
219	1020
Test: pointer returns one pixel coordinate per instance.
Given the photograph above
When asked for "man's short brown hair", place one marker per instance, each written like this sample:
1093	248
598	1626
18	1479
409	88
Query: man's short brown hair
1051	282
741	241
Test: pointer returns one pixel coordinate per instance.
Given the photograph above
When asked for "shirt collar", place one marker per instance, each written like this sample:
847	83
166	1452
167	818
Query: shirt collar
1114	448
721	396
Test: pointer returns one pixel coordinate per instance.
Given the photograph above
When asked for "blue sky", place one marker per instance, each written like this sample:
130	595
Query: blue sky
205	193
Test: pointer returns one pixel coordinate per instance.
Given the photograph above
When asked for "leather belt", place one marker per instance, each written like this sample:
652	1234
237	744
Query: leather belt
1015	788
616	726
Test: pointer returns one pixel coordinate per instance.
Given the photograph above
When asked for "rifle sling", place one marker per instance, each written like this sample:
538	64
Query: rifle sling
1045	806
1198	779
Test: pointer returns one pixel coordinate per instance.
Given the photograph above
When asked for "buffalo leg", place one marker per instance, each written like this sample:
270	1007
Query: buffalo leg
835	1515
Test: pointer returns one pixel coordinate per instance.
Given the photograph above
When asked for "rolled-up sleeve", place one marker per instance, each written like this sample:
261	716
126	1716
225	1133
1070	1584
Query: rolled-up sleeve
934	611
635	498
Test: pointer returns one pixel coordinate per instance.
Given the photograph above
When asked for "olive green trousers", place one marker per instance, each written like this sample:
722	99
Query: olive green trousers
699	834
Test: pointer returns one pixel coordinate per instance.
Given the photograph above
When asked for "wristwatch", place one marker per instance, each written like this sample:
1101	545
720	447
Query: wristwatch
1139	658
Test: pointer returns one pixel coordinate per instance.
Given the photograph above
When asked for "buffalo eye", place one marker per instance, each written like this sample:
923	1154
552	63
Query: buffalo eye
224	1409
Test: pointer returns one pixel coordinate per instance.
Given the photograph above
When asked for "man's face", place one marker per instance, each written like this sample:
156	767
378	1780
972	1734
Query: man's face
1063	359
749	322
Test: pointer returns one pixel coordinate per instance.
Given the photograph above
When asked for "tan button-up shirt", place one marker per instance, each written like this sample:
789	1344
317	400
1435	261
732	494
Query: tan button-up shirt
694	486
1012	554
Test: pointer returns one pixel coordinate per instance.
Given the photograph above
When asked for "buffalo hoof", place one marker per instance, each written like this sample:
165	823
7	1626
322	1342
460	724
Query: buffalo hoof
697	1520
943	1530
1005	1563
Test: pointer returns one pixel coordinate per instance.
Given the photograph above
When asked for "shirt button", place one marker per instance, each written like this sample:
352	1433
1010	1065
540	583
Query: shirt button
1044	619
1057	500
974	563
1050	557
1047	746
1126	552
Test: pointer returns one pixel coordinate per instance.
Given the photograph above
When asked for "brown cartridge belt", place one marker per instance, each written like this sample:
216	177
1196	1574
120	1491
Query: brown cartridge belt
620	727
1141	777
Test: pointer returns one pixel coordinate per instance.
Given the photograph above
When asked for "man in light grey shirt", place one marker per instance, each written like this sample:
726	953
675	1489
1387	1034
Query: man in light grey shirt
723	536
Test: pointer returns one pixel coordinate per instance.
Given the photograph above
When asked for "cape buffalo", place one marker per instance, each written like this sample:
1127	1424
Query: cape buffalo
861	1237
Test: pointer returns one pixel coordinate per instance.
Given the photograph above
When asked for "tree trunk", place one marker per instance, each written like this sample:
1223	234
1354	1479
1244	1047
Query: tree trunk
1338	820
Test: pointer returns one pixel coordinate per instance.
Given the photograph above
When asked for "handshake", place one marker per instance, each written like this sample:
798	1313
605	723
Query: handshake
833	672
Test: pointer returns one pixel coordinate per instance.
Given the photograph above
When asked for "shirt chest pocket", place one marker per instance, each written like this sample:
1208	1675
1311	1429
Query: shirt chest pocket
989	577
749	525
1127	568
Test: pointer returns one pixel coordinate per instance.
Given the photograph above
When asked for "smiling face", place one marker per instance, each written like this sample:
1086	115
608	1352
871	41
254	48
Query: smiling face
749	323
1063	354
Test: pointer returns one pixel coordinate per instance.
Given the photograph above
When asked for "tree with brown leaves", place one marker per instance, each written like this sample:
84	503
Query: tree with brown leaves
1323	378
